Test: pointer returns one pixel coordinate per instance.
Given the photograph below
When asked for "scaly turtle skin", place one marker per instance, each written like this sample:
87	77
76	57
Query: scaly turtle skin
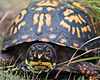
48	32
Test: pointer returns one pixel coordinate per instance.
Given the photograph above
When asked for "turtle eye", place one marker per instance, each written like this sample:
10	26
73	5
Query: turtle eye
32	49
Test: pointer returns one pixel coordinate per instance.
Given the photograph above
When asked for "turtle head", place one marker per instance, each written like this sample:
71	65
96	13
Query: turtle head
41	57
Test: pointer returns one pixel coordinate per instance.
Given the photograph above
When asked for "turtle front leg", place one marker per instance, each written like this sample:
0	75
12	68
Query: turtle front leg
87	69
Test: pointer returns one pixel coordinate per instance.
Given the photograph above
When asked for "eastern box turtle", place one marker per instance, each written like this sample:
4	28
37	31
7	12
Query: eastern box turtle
47	33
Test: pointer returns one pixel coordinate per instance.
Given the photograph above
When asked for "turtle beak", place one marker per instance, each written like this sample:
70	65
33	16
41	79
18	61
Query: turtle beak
40	66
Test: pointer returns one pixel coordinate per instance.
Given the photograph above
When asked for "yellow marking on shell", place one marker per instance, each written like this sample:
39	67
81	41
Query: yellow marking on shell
29	40
31	29
33	8
63	40
52	36
48	3
21	24
84	29
11	30
81	18
48	19
78	32
15	30
70	6
67	12
18	18
64	24
15	40
73	30
75	44
44	39
62	7
50	9
95	30
73	18
79	6
51	29
24	36
88	27
35	18
61	44
41	22
39	9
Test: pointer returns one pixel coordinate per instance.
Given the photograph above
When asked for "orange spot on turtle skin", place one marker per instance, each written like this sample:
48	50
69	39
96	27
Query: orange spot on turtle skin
41	22
50	9
92	72
18	18
35	18
73	30
15	40
84	68
88	72
48	19
15	30
83	71
48	3
52	36
67	12
63	40
81	68
84	65
39	9
24	36
78	32
75	44
44	39
21	24
64	24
